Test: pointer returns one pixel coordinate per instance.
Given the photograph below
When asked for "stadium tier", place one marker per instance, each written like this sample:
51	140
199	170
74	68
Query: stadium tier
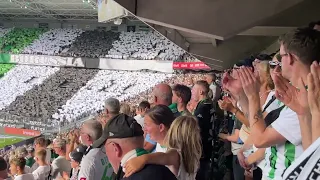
139	45
40	96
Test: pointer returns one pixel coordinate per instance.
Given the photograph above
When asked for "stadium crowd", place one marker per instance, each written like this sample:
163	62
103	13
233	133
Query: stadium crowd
266	113
91	44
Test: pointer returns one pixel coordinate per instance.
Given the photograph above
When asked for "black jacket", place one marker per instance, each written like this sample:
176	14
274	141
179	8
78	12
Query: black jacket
154	172
203	115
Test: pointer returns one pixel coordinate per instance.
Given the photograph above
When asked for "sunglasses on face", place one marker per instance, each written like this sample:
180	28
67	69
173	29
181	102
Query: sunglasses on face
274	64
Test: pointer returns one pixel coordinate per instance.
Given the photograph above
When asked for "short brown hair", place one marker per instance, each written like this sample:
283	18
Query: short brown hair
204	85
41	154
182	92
41	141
304	43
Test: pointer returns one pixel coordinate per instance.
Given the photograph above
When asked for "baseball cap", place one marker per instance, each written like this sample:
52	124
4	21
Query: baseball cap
78	153
120	126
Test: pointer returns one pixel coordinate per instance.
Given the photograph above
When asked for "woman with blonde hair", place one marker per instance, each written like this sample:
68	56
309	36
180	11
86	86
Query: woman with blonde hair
184	151
125	109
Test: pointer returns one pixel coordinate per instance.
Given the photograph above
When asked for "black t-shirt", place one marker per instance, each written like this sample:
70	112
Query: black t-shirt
203	115
154	172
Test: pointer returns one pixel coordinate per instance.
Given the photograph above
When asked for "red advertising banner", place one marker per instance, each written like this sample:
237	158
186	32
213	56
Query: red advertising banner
22	132
190	65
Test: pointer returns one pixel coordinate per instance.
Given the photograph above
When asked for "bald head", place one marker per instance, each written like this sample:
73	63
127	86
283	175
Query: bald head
162	94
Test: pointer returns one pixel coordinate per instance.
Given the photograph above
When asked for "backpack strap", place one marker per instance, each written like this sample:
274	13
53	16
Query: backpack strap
269	103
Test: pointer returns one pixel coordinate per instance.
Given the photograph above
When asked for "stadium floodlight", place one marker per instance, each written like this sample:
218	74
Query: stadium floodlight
117	21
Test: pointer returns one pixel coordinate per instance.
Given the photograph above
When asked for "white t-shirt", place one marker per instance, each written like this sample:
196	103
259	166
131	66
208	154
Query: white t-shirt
48	156
159	148
304	165
24	177
279	157
60	165
27	169
41	173
140	120
95	165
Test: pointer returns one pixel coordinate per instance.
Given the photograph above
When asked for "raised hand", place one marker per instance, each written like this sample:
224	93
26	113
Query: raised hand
226	104
250	82
314	89
295	98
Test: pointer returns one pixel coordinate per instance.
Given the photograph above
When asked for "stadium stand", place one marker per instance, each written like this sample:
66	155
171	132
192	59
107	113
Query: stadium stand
21	79
119	84
4	31
4	68
93	44
41	102
53	42
144	46
18	38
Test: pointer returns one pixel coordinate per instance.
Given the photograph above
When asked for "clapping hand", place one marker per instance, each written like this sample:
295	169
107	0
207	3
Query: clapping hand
314	89
250	82
295	98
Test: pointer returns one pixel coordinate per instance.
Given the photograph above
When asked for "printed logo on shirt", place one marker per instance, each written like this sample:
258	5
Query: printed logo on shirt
315	171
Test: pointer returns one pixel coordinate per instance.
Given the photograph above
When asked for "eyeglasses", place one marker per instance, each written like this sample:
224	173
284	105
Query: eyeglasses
274	64
279	56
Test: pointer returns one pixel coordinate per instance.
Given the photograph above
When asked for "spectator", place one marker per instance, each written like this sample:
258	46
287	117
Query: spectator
112	108
60	164
43	170
203	113
76	157
142	108
30	159
162	95
183	154
3	168
123	140
95	163
17	165
22	152
125	109
157	123
39	144
215	92
181	97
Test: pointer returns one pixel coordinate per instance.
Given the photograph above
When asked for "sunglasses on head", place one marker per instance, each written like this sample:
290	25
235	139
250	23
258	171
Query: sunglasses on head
274	64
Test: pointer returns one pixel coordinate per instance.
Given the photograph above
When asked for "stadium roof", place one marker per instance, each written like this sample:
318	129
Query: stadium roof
222	32
49	9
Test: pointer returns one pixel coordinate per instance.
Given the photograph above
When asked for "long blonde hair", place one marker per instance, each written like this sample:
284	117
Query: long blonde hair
266	70
184	135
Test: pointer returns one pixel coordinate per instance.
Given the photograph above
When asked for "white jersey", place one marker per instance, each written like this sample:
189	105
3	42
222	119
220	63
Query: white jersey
41	173
279	157
304	165
273	106
60	165
48	156
24	177
95	165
